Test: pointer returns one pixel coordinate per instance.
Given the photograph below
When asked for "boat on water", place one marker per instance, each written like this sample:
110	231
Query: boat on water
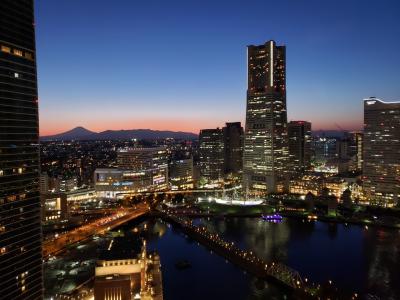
272	218
183	264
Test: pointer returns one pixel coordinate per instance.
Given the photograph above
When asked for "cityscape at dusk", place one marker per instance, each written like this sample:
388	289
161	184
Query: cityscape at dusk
162	65
199	150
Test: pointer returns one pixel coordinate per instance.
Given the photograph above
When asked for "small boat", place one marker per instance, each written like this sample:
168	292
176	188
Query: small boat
272	218
183	264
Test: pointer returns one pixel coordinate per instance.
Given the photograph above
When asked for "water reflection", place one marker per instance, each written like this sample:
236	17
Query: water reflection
366	261
356	259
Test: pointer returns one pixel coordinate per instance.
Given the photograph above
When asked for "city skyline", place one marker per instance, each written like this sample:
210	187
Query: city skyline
116	86
264	209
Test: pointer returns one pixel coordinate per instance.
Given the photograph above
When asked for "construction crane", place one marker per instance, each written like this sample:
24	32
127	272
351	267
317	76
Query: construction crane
341	129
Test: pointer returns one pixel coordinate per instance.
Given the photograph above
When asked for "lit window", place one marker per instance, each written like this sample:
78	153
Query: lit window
11	198
5	49
17	52
16	75
28	55
20	170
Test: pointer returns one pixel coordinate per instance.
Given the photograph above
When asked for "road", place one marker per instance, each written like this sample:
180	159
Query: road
99	226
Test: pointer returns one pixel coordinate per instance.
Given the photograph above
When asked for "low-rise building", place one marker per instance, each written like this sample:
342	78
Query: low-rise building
113	183
54	207
335	186
127	272
81	199
306	184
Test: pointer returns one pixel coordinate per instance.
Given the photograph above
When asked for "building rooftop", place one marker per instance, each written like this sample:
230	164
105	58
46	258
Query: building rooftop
123	247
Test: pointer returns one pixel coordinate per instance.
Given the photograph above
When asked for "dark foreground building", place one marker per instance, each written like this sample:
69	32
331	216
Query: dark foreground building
20	228
299	133
233	143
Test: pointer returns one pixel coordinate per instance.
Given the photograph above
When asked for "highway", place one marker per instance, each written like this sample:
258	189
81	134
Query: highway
99	226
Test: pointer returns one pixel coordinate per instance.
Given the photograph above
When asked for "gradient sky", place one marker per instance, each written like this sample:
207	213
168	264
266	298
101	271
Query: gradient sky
181	65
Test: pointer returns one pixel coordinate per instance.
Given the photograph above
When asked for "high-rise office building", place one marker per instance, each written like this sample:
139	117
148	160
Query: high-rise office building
265	155
381	151
233	143
20	228
299	133
211	152
356	145
343	148
181	174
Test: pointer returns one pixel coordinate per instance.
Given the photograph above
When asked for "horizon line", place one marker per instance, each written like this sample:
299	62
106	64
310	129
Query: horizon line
191	132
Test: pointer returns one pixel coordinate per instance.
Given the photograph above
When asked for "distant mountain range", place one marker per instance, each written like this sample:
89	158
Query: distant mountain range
80	133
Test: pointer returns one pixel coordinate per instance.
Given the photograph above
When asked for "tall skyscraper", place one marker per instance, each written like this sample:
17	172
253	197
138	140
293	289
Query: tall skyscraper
265	155
233	143
211	144
381	151
20	228
299	133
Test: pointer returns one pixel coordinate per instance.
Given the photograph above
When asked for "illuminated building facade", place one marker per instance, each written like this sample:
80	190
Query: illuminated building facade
113	183
139	170
128	274
20	228
306	184
233	147
181	174
137	159
314	184
299	133
381	151
57	206
54	207
266	154
81	199
211	152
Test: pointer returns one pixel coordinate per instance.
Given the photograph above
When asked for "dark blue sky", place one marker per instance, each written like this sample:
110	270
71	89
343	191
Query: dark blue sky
181	65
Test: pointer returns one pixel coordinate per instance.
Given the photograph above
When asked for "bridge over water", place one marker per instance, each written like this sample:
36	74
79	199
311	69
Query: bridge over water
275	272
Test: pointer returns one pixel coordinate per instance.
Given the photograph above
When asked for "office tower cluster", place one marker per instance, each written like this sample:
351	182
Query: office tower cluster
20	228
269	151
220	151
278	156
381	151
